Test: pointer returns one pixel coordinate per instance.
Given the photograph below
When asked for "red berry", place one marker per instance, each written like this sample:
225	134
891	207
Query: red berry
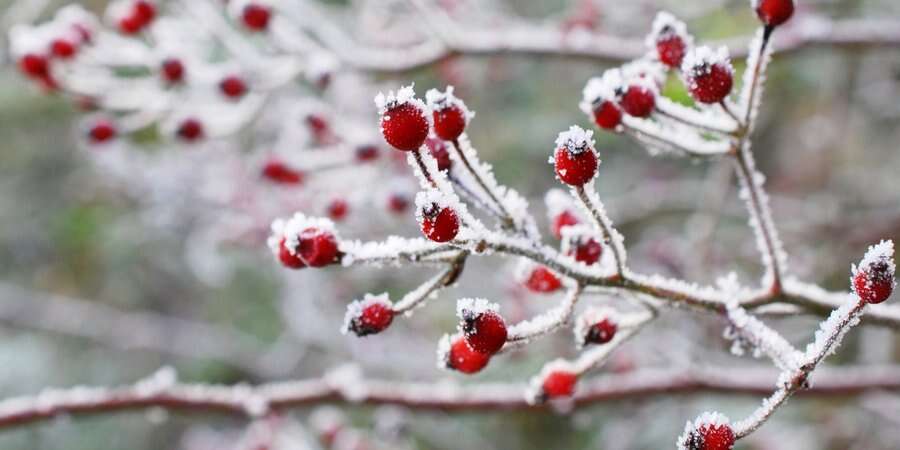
670	48
62	48
542	279
233	87
130	24
588	252
287	258
317	247
562	220
709	82
439	224
102	131
485	331
439	151
173	71
574	168
84	33
405	126
607	115
559	383
461	357
774	12
601	332
256	17
190	130
875	283
320	129
449	122
144	11
638	101
34	65
370	316
398	203
710	437
279	172
338	209
366	153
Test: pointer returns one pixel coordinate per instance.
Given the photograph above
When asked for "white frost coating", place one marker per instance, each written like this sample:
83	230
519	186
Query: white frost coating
594	208
467	220
355	308
589	318
426	200
600	89
699	61
547	322
705	420
647	71
438	101
832	331
557	202
751	84
754	332
443	351
405	94
349	381
326	419
474	307
390	251
671	136
709	117
882	252
666	25
576	140
535	389
290	231
160	381
416	298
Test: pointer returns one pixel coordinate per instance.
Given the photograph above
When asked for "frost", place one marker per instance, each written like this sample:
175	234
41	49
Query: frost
687	440
645	72
290	231
588	318
881	253
666	25
349	381
600	89
557	202
699	61
426	200
405	94
576	140
547	321
437	101
474	307
355	308
157	383
535	389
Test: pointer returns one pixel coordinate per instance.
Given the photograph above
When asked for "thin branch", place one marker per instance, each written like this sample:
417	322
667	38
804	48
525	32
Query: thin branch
595	208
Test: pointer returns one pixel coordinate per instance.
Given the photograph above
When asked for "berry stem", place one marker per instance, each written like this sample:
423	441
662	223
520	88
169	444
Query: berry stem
507	220
423	169
472	197
728	111
443	279
559	317
667	113
610	235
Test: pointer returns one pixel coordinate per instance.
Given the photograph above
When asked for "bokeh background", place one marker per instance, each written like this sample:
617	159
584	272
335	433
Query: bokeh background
69	234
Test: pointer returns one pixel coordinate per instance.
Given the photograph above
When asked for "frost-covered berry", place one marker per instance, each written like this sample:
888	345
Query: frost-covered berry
288	258
439	151
34	65
873	278
638	99
669	39
279	172
586	250
371	315
404	122
449	113
562	220
773	12
233	87
601	332
62	48
598	100
256	16
596	326
575	159
607	115
708	74
710	431
101	131
556	380
190	130
454	353
338	209
541	279
484	329
173	71
438	220
317	247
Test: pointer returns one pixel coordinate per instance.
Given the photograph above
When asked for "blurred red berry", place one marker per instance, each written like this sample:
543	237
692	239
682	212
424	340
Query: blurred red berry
233	87
562	220
338	209
62	48
288	259
607	115
317	248
373	318
638	101
773	13
542	280
173	71
397	203
366	153
439	151
256	17
279	172
559	383
462	358
101	131
588	251
601	332
34	65
190	130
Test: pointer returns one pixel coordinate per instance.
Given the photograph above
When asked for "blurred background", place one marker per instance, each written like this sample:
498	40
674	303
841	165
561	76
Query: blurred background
110	271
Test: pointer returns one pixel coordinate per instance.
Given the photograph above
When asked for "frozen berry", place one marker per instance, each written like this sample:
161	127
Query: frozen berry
484	329
365	153
130	24
369	316
144	10
773	13
575	159
101	131
587	251
279	172
317	248
173	71
287	258
669	39
440	224
403	120
233	87
607	115
449	113
542	279
873	279
462	358
256	17
338	209
601	332
559	383
708	74
638	100
671	49
710	436
190	130
62	48
562	220
439	151
34	65
397	203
